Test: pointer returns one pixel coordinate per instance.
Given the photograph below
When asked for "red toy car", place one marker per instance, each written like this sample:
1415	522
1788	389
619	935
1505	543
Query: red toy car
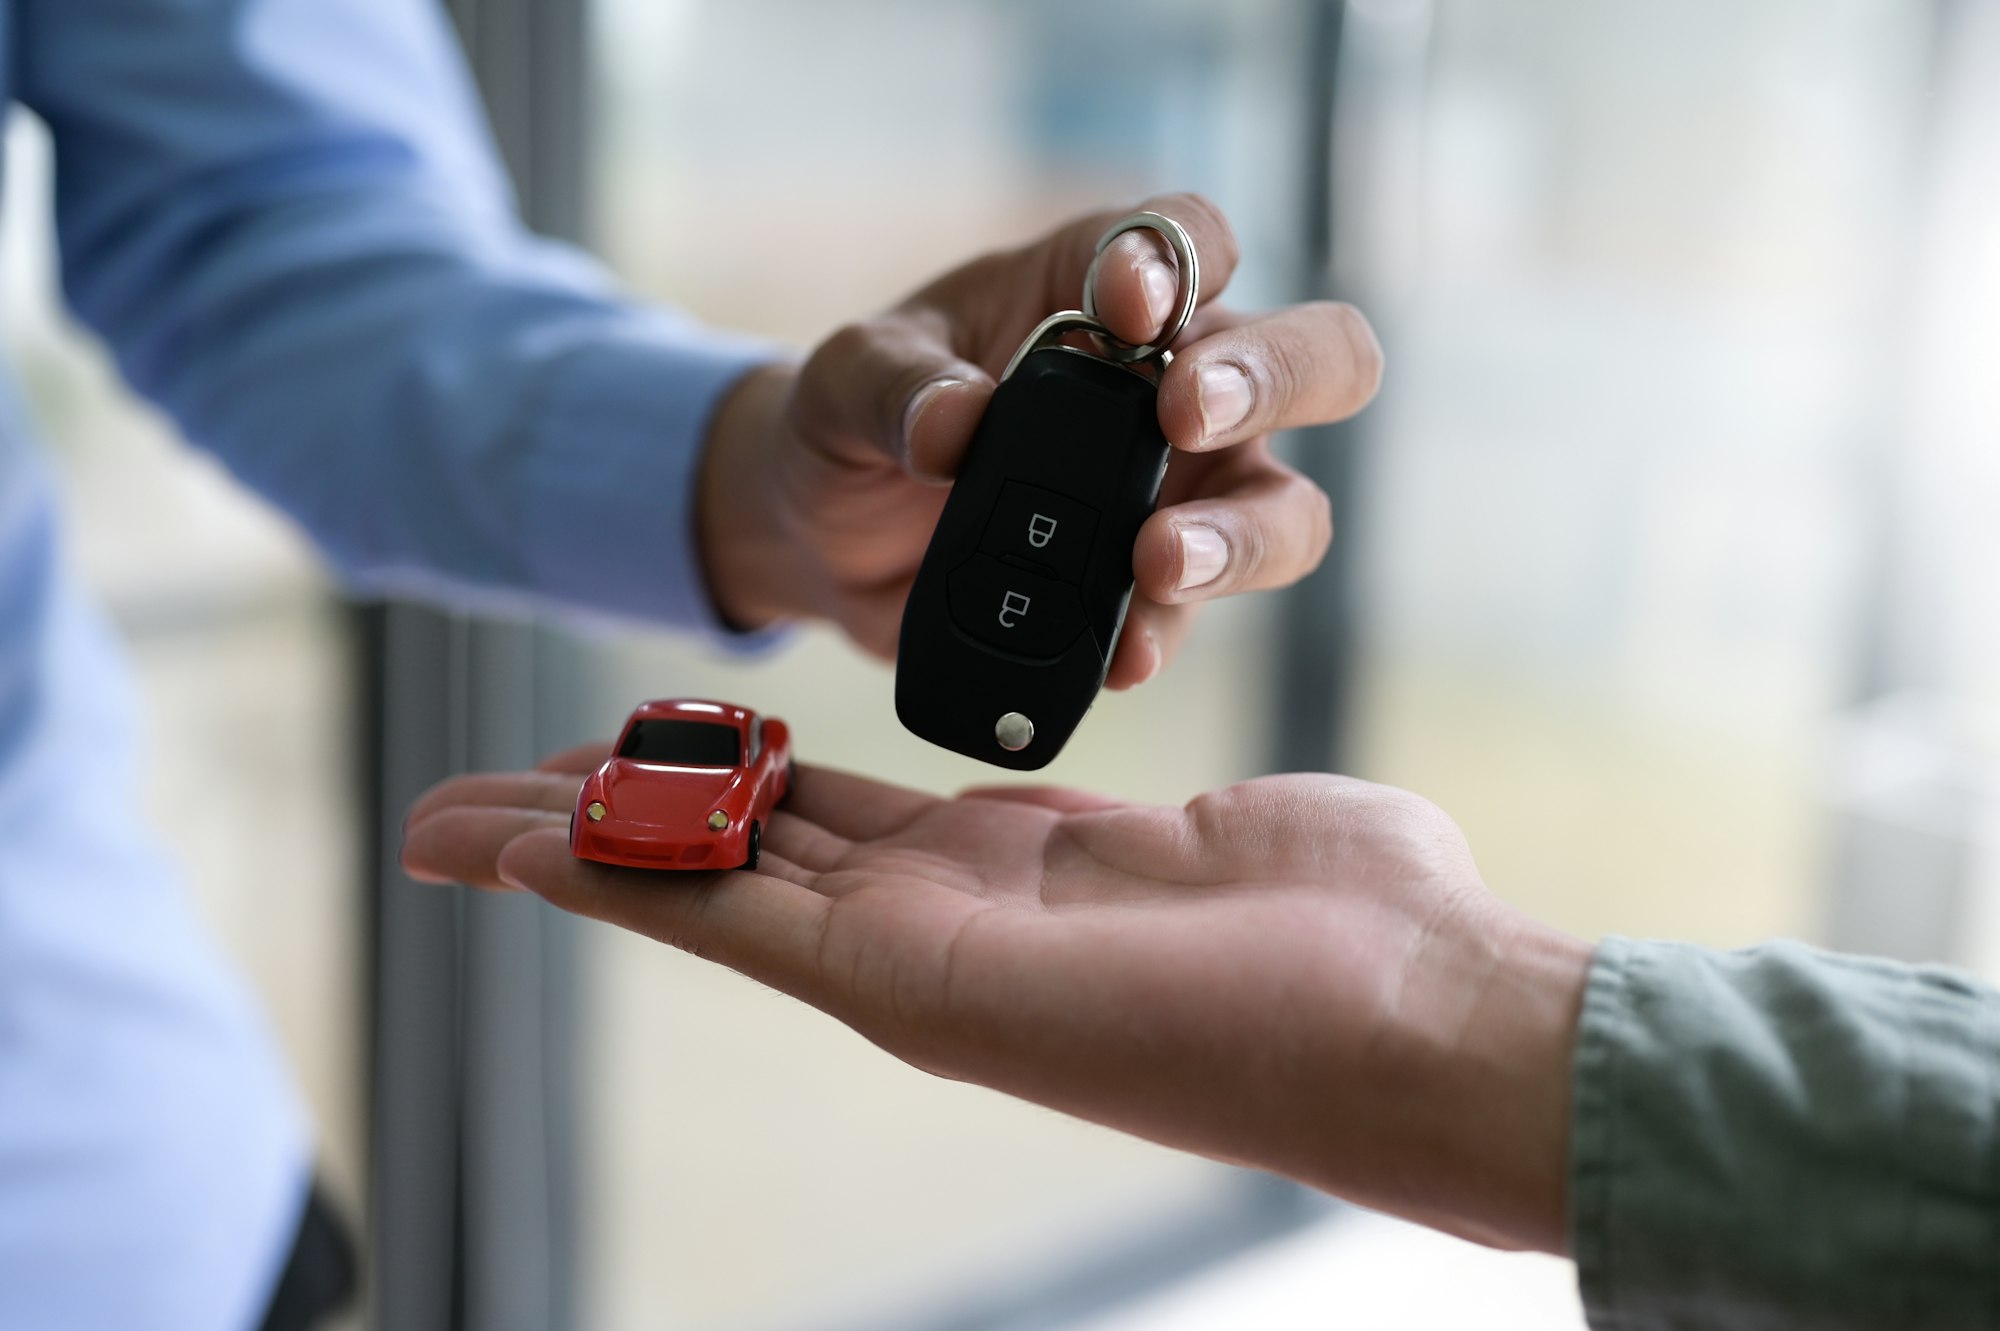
690	785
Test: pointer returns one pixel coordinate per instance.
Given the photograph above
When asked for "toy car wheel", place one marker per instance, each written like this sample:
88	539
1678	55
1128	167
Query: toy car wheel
756	846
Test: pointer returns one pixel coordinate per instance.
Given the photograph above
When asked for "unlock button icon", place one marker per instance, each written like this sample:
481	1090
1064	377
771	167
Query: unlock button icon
1041	528
1022	613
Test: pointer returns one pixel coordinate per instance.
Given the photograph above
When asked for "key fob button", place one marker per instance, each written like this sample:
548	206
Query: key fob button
1016	611
1043	528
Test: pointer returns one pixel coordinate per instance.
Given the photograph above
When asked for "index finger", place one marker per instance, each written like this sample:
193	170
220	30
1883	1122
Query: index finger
1303	365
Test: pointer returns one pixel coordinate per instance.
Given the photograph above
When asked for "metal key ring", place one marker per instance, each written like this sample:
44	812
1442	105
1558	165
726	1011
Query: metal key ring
1190	282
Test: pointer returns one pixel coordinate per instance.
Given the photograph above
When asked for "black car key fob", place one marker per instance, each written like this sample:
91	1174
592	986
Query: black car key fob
1010	626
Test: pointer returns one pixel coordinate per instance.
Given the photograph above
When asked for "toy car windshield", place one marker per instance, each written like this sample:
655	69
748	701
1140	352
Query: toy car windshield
683	744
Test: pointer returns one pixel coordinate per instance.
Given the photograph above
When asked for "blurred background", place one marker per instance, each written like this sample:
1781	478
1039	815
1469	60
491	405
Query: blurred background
1666	565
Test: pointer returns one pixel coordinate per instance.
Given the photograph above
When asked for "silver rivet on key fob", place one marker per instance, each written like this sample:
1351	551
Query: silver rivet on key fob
1014	732
1017	607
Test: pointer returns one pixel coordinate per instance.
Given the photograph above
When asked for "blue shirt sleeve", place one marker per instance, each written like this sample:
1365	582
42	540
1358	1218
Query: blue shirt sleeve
286	219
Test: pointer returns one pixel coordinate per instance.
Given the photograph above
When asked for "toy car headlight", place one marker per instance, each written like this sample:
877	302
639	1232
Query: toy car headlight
718	821
594	811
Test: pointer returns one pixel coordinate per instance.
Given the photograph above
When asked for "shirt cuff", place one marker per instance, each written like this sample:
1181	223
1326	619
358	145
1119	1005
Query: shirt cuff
612	476
1782	1137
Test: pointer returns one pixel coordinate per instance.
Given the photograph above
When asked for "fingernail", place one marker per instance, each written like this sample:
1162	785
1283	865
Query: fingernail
1158	282
918	401
1204	554
1223	394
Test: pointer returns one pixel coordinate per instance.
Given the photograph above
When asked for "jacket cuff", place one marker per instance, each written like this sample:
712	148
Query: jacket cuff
1783	1137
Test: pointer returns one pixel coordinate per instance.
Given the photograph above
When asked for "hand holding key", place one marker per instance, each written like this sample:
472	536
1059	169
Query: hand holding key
1061	475
822	483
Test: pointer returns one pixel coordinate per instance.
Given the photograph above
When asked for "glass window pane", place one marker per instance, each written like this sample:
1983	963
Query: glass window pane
1632	268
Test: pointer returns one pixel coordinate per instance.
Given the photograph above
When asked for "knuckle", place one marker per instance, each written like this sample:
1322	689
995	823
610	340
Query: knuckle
831	367
1250	550
860	379
848	345
1284	377
865	346
1292	540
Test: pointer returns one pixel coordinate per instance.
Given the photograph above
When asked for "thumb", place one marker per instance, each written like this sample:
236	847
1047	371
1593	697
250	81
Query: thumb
892	387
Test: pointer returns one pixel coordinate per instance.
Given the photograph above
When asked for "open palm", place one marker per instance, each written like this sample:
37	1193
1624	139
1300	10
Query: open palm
1263	975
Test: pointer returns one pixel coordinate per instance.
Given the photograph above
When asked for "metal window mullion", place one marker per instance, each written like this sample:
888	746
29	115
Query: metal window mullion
473	994
1318	620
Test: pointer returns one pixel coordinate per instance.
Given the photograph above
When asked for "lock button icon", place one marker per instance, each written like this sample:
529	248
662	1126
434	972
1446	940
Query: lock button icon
1041	528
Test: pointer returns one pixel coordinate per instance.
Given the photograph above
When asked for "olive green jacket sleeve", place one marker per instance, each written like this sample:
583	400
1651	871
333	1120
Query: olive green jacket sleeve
1785	1138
